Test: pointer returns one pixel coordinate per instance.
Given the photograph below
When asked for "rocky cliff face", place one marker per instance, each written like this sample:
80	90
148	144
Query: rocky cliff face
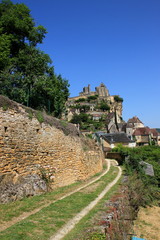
37	151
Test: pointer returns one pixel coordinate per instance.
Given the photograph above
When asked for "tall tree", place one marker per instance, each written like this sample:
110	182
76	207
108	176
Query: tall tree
26	74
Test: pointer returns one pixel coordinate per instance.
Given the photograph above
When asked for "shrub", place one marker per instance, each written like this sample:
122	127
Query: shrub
80	100
118	99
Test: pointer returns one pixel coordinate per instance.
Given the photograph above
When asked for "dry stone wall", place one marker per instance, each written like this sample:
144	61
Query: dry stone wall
30	150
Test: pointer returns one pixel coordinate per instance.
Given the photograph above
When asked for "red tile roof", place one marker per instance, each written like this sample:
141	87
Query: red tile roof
134	120
142	131
154	132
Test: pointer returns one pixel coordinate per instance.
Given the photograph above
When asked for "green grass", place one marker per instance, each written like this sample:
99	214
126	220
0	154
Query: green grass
47	221
80	231
15	209
39	116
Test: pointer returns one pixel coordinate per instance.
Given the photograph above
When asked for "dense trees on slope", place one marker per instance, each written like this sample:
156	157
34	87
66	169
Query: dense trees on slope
26	74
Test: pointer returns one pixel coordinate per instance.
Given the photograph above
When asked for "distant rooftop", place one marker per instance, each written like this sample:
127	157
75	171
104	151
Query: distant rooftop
116	137
135	119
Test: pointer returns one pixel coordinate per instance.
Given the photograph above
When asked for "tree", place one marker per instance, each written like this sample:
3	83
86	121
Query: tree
104	106
80	100
26	74
92	98
76	119
118	99
82	117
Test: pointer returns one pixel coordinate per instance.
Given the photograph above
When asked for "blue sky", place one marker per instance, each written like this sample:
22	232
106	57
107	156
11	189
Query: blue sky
116	42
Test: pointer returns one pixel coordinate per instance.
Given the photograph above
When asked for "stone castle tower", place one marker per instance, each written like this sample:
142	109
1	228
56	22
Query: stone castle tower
101	91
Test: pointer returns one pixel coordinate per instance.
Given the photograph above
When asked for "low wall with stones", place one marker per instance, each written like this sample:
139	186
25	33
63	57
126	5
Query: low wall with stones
35	151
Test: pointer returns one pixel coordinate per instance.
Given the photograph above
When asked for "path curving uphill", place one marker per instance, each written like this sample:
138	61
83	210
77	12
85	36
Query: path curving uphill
71	223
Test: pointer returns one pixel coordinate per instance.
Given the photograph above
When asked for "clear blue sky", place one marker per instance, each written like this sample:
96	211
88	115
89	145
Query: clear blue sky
116	42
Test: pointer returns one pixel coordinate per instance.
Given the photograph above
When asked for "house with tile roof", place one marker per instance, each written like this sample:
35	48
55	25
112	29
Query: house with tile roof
142	136
146	135
155	136
132	125
111	140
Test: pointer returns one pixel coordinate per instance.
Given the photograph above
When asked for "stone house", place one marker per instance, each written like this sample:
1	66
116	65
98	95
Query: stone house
146	136
132	125
142	136
111	140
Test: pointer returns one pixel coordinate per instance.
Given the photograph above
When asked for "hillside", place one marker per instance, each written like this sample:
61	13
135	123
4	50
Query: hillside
90	109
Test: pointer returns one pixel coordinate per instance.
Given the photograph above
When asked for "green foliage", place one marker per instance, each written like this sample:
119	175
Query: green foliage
30	113
89	136
82	117
98	125
26	74
5	107
76	119
97	236
80	100
104	106
84	108
118	99
64	123
92	98
131	159
40	117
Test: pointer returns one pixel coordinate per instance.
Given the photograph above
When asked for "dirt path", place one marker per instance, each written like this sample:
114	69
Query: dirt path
27	214
71	224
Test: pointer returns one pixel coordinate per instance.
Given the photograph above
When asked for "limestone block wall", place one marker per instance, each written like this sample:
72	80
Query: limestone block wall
26	146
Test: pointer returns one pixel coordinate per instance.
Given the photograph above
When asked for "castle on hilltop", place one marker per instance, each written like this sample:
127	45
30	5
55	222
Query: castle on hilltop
101	91
96	103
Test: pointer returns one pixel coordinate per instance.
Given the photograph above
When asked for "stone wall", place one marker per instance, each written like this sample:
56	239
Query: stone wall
30	148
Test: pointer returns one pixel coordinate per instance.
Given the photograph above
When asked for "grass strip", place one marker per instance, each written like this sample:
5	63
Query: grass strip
46	222
85	229
15	209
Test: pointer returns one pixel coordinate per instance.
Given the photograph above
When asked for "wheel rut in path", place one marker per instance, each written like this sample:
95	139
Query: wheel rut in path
15	220
71	223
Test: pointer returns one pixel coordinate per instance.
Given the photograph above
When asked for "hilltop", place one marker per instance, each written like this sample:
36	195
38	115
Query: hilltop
90	108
